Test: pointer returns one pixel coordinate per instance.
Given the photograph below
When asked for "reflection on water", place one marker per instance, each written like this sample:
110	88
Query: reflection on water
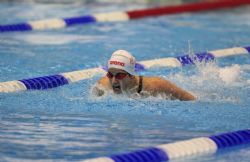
80	136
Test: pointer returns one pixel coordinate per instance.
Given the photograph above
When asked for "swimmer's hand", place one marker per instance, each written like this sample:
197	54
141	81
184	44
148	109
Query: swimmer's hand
97	91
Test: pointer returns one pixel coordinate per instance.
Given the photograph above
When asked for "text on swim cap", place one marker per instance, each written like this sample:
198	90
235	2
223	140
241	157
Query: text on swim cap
116	63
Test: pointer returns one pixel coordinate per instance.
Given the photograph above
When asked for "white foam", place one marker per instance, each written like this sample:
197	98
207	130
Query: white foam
248	81
220	75
229	74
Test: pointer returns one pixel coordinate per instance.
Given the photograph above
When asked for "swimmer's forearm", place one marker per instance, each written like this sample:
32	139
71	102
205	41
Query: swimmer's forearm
187	97
181	94
177	92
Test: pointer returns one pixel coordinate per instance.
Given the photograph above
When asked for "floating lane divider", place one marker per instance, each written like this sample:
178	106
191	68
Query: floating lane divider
180	149
122	16
52	81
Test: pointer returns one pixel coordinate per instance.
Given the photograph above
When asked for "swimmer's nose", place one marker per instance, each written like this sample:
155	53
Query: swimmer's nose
114	80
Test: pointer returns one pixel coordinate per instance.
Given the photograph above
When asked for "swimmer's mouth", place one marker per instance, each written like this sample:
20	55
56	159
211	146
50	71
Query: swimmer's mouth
116	88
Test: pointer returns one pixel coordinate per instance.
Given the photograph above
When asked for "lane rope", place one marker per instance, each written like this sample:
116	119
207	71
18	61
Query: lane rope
192	147
53	81
56	23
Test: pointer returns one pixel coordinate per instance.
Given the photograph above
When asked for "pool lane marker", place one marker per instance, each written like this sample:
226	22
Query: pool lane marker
195	146
121	16
52	81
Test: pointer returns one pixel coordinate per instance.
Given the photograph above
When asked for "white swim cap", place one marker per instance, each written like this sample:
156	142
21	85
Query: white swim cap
123	60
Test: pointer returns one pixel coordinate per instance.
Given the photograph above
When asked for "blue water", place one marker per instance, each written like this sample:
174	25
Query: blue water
69	124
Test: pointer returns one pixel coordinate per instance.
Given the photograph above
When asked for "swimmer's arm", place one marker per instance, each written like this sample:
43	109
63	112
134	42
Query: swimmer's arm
176	92
99	88
97	91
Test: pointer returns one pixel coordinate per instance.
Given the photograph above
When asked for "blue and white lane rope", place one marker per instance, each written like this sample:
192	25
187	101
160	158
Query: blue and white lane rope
64	22
122	16
47	82
180	149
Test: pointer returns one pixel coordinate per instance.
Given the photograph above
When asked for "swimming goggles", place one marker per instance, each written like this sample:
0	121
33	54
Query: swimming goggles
118	76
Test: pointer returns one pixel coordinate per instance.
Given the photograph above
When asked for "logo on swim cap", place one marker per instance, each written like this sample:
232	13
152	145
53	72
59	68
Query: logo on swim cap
116	63
123	60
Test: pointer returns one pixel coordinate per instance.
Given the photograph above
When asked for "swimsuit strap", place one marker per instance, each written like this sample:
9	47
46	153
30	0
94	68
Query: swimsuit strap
140	85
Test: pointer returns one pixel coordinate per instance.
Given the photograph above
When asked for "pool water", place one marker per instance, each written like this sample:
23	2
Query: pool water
69	124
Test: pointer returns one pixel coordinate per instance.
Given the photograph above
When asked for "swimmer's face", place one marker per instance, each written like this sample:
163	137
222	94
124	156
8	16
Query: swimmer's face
118	79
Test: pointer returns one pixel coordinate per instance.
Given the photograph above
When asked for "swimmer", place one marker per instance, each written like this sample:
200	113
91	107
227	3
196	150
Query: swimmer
121	79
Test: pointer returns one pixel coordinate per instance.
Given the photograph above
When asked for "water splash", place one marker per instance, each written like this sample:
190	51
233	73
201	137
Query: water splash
212	83
229	75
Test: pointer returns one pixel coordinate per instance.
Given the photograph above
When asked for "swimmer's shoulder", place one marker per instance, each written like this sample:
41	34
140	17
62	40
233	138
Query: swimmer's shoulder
158	85
104	81
153	83
101	86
